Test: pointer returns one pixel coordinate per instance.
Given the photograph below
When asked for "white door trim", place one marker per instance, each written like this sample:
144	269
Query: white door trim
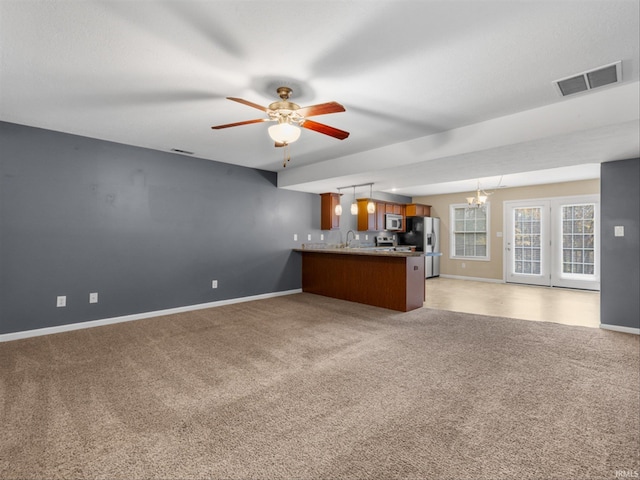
551	235
542	278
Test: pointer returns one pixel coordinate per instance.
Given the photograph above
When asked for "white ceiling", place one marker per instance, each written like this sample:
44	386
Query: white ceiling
437	93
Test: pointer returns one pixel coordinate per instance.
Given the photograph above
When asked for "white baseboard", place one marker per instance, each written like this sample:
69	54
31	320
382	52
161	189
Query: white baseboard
6	337
618	328
475	279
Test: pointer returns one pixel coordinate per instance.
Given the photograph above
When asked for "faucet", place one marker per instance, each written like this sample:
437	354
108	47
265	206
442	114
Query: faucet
347	239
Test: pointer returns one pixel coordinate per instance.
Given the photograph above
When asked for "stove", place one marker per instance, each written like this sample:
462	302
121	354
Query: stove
385	241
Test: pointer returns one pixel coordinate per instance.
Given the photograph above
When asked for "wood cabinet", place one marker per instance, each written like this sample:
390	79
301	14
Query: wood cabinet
375	222
328	218
381	210
367	222
394	282
418	210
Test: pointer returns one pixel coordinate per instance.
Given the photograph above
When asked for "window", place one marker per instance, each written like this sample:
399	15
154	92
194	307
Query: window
470	232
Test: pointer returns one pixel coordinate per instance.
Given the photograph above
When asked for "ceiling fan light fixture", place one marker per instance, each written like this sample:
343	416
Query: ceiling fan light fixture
290	117
284	133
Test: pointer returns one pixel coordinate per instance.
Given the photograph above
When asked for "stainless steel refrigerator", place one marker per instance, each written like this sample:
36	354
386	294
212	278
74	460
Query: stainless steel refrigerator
424	233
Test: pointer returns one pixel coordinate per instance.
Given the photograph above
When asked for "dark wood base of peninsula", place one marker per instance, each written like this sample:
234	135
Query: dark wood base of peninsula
393	282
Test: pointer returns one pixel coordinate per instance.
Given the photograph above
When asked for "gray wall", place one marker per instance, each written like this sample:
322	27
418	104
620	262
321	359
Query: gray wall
620	256
147	230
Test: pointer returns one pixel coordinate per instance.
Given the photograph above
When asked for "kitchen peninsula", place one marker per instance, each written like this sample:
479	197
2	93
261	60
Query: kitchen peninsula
389	279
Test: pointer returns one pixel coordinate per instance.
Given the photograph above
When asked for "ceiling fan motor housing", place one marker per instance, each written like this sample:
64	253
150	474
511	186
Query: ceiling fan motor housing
284	111
284	105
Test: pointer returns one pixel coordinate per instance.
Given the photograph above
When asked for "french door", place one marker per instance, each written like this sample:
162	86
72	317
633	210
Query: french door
553	242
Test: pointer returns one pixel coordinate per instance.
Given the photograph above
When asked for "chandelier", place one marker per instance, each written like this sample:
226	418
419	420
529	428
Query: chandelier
480	198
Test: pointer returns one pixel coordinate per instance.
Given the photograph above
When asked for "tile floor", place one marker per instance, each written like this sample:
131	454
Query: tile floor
559	305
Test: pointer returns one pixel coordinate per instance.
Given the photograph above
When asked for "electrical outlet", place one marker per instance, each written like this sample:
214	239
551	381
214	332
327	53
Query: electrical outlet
322	236
618	231
357	236
61	301
309	237
214	283
295	237
93	297
366	237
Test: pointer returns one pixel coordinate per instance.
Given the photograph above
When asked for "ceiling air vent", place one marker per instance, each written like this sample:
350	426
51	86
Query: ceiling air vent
598	77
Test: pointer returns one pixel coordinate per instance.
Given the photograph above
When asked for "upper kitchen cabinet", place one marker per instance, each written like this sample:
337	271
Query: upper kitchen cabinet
417	210
375	222
381	210
367	221
329	219
395	208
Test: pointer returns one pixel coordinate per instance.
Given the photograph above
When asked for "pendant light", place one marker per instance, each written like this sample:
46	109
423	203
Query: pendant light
354	204
338	209
371	207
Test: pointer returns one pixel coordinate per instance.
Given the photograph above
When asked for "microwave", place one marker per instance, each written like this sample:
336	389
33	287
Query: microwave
393	221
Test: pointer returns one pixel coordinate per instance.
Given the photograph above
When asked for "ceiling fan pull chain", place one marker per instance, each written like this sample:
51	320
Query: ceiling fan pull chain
287	157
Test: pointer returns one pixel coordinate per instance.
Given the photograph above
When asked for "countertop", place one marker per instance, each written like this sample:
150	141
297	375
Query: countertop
378	252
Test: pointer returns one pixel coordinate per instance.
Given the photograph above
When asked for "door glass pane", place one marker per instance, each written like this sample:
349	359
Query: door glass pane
527	245
578	239
587	226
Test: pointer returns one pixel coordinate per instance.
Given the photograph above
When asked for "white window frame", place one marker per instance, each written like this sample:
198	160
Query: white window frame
452	233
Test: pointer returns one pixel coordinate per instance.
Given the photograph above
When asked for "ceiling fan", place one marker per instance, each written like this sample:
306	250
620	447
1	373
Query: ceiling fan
289	117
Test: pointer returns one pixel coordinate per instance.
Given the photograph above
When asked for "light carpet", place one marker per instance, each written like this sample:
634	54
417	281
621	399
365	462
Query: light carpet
308	387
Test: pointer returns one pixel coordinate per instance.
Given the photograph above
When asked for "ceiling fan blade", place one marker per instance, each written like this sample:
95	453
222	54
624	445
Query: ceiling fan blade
321	109
237	124
248	103
326	129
